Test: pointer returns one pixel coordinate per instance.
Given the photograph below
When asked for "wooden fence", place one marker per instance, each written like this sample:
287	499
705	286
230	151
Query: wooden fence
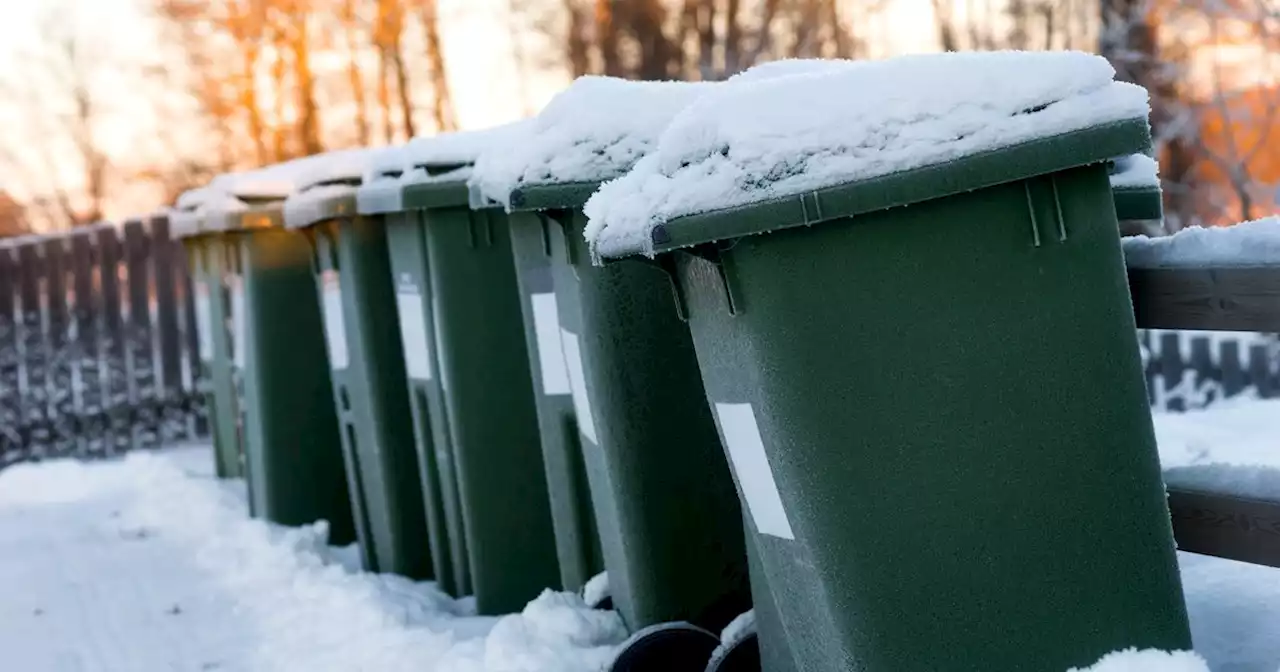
1216	299
97	343
1189	370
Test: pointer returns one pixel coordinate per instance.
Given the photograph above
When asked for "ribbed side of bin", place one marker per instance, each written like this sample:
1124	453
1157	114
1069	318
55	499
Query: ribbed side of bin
213	313
294	463
492	421
407	244
577	539
353	276
652	454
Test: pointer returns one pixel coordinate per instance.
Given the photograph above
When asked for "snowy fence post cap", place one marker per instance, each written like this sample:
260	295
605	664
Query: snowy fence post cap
800	150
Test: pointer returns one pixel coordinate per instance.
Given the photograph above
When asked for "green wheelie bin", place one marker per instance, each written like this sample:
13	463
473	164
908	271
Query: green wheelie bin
293	458
462	257
379	199
206	260
649	441
577	539
352	280
916	335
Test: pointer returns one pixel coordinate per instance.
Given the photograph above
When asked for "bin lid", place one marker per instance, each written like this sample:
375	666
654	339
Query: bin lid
1135	183
792	151
438	167
325	185
594	130
1248	244
186	217
383	189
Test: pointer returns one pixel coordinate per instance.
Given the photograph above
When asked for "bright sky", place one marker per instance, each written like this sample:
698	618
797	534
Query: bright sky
482	70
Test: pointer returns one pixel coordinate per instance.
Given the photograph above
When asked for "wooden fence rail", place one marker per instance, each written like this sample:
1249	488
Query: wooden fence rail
96	343
1222	524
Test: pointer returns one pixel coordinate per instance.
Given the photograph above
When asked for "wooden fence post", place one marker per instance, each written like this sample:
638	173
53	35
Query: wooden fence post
115	360
12	448
88	344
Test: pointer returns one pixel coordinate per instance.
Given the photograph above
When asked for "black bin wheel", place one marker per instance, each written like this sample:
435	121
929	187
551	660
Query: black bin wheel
666	647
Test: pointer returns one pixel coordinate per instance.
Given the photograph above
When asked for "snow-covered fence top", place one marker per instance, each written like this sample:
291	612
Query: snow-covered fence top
98	352
1224	278
783	136
1255	243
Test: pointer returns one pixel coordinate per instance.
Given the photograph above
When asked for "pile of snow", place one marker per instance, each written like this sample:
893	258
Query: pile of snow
1136	171
594	130
1147	660
789	135
1254	243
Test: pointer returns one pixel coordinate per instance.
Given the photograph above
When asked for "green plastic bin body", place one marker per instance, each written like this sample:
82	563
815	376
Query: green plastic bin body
206	261
293	459
1138	203
353	278
489	404
936	413
406	241
577	538
670	523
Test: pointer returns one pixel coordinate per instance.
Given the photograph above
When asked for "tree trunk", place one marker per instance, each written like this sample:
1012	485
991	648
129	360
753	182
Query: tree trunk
442	105
355	76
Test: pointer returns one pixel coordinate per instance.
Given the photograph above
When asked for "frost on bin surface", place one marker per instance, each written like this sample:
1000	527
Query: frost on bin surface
788	136
1253	243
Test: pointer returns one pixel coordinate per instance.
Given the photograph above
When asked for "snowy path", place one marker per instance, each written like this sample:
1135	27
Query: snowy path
148	564
85	590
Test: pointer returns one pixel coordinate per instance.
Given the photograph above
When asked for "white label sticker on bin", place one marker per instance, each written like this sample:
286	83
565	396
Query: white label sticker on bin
746	452
204	326
335	326
238	327
581	402
413	333
546	327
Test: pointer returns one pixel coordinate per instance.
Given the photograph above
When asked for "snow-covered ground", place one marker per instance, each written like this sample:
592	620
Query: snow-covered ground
150	564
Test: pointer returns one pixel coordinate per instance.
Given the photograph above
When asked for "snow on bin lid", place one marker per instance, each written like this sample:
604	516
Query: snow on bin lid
788	136
595	129
461	147
324	179
1254	243
188	211
1136	171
